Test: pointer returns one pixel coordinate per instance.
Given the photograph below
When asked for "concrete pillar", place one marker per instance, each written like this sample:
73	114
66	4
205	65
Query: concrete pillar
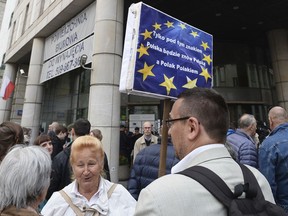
278	42
34	90
104	98
6	105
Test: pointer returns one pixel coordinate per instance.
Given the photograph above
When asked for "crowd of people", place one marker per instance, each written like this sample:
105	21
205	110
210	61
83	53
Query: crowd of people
66	172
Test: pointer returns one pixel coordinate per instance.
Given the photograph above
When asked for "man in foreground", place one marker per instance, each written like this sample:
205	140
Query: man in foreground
198	123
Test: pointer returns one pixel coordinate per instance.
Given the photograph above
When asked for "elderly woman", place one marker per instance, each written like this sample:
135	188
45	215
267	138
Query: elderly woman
10	134
44	141
24	180
89	193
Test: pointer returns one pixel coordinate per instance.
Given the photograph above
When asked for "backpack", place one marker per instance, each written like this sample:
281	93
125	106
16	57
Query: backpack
252	204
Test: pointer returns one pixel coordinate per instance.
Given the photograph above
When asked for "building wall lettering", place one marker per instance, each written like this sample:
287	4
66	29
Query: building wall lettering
67	60
63	48
75	30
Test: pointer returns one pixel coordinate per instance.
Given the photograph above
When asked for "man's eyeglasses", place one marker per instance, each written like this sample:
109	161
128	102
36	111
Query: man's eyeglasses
170	121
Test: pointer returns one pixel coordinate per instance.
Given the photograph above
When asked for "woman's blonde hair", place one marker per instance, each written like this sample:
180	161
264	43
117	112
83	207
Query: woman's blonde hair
87	142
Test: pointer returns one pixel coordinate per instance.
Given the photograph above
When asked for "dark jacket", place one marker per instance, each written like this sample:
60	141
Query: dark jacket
146	166
57	146
61	171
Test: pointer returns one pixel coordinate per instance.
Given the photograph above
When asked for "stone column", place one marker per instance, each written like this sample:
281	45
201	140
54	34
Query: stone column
34	90
104	98
278	42
6	105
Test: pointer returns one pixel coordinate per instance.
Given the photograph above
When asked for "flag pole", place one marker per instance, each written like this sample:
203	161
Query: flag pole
164	138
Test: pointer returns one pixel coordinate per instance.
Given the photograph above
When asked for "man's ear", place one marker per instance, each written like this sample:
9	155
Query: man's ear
270	121
249	127
194	127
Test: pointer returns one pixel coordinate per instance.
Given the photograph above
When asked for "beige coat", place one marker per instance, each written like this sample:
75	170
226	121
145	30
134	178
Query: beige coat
176	194
140	144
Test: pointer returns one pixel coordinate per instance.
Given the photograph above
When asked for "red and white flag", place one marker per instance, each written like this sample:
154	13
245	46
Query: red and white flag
7	88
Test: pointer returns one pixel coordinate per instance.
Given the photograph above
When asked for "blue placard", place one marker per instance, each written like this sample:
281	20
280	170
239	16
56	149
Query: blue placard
170	57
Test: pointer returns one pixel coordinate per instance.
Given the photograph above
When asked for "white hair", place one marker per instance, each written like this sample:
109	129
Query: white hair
24	176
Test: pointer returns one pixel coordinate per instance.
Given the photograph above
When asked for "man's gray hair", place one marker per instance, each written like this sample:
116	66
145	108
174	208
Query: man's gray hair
246	120
24	176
